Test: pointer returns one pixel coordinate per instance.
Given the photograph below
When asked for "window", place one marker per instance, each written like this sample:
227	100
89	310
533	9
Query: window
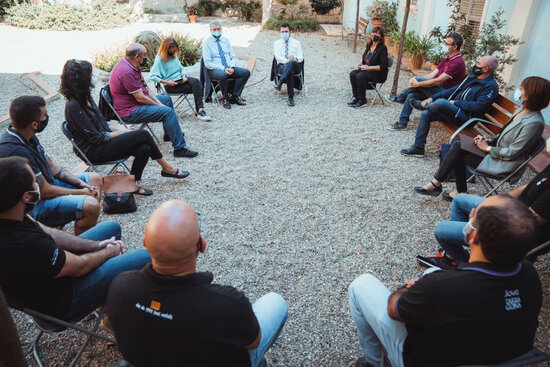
472	11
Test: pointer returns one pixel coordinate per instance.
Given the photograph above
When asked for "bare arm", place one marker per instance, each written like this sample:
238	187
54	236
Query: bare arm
515	193
141	98
392	301
256	342
76	266
433	81
69	242
48	191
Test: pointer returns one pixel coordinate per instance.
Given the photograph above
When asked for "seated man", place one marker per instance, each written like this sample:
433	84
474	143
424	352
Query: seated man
288	53
64	197
50	271
457	105
449	73
221	62
191	321
484	312
136	104
535	194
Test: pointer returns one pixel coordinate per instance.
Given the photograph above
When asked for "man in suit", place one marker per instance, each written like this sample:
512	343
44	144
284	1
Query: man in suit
288	53
221	62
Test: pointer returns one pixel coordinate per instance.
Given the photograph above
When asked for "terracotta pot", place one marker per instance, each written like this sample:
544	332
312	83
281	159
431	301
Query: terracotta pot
376	23
193	18
433	67
417	61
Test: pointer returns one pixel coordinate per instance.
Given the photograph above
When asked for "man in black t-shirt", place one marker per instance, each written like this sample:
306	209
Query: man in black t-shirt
45	269
483	312
170	315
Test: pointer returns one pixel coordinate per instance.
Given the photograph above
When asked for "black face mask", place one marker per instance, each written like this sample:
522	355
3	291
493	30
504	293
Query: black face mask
376	38
29	206
144	61
476	70
43	124
171	54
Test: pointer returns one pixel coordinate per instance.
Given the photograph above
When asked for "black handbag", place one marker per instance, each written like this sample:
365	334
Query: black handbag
119	203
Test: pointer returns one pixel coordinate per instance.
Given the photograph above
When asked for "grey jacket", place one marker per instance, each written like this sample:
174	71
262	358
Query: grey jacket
513	145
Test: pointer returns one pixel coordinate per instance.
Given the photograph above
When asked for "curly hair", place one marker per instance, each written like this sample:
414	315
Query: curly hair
76	80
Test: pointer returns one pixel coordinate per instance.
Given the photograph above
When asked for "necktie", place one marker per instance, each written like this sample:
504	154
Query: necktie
222	56
286	50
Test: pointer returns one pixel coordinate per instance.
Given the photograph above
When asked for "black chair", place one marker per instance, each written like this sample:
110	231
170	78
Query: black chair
211	86
108	109
376	87
180	98
299	79
49	324
538	251
81	155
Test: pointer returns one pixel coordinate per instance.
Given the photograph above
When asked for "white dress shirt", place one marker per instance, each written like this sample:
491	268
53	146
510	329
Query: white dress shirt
211	54
294	49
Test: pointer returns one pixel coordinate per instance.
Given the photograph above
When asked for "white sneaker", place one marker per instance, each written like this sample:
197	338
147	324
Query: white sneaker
202	116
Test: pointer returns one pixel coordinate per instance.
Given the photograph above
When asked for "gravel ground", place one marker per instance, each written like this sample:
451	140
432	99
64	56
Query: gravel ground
299	201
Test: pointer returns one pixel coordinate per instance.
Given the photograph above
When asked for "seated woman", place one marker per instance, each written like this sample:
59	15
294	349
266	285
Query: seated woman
373	68
449	234
95	137
167	69
505	151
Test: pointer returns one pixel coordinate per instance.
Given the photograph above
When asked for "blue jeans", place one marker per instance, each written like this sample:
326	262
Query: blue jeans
58	211
420	93
90	290
368	300
271	310
438	110
240	75
166	114
449	233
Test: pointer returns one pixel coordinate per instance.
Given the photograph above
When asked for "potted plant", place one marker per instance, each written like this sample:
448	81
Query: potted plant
435	56
417	47
378	11
192	13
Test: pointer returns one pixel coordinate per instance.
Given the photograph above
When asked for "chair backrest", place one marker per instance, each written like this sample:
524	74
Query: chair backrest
76	148
539	250
106	105
66	132
390	62
541	144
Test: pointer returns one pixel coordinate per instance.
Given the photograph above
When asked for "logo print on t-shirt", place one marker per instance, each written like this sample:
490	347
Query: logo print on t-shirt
155	305
513	300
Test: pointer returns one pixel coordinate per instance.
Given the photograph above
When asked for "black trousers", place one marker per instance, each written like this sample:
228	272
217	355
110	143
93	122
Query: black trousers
287	72
193	85
457	159
138	143
360	82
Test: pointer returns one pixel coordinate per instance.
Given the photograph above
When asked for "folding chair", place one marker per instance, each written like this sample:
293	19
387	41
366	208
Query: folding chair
299	84
81	155
533	356
105	97
376	87
49	324
511	177
538	251
211	86
180	98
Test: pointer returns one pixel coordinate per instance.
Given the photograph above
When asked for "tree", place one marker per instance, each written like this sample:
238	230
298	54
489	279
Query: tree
400	52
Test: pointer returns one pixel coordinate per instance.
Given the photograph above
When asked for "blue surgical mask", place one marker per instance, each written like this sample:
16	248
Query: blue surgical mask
517	95
217	34
548	145
285	36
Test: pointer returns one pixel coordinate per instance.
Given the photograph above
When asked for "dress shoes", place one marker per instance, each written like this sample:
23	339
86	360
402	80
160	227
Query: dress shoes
413	151
352	102
360	103
238	101
185	153
179	174
226	104
291	101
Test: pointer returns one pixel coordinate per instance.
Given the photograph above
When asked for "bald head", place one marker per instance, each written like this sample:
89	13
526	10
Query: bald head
134	49
490	62
172	237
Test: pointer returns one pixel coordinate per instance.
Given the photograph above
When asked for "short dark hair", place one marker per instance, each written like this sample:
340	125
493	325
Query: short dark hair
457	39
285	25
537	90
25	109
15	180
506	232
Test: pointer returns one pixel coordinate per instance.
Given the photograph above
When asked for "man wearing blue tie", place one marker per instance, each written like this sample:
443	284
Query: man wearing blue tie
288	53
220	60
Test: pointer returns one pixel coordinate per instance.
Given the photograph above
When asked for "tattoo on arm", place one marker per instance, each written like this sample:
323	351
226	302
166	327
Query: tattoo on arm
41	181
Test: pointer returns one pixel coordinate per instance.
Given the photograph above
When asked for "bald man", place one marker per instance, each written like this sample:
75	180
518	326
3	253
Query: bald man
136	104
482	313
168	314
471	98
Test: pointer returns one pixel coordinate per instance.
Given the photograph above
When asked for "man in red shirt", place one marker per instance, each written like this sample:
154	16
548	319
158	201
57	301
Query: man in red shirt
450	72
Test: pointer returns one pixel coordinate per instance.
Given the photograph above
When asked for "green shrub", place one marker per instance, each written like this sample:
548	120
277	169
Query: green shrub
152	11
324	6
207	7
297	24
4	5
249	10
191	52
101	14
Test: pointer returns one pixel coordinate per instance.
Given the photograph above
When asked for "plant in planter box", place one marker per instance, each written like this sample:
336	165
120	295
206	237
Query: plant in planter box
324	6
192	14
384	13
436	55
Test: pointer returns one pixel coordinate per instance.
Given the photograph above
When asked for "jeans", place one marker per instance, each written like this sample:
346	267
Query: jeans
90	290
368	299
271	310
449	233
438	110
192	85
420	93
287	72
166	114
58	211
240	75
456	160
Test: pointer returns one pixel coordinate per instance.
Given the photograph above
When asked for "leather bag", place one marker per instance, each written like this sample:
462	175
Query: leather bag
118	192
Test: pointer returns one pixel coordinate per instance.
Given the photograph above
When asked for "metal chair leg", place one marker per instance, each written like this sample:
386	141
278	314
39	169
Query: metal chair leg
146	125
35	351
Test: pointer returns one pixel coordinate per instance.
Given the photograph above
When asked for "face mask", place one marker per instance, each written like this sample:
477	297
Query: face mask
43	124
29	206
517	95
171	54
217	34
548	145
376	37
144	61
285	36
449	49
467	230
476	70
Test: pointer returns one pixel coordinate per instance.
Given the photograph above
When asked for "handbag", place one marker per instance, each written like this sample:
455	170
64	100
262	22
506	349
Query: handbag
118	190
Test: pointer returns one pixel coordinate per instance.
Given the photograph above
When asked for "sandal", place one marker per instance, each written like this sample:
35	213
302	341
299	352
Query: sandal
143	191
179	174
435	192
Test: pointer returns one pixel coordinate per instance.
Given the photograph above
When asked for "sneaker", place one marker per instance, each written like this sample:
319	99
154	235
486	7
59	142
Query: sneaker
166	137
202	116
416	104
413	151
352	102
440	261
392	98
360	103
397	126
291	101
185	153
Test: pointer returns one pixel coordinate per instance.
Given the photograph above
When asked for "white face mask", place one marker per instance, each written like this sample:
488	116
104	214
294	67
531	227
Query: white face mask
517	95
548	145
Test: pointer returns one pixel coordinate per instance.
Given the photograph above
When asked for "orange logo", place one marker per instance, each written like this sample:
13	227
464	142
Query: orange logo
155	305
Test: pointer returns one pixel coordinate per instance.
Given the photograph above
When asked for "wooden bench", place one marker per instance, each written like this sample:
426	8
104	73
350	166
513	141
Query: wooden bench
494	120
349	32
